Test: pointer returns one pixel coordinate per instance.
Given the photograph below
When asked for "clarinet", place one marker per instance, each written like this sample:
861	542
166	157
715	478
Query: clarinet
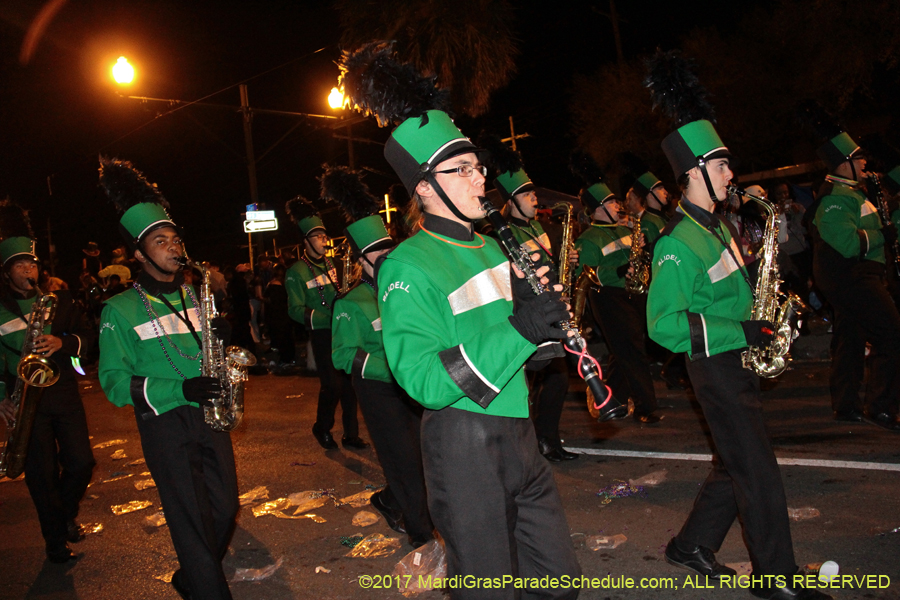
588	367
875	185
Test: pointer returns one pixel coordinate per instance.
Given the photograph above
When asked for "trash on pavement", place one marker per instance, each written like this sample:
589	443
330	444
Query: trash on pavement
421	567
351	540
356	500
277	507
321	569
121	509
803	514
650	479
143	484
364	518
165	577
156	520
102	445
604	542
136	462
620	489
89	528
118	454
256	574
258	493
117	476
374	546
307	501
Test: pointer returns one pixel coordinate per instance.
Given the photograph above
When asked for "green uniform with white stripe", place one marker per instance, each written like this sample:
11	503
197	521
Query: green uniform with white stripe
305	304
531	237
606	247
698	292
356	335
133	344
652	225
445	307
850	224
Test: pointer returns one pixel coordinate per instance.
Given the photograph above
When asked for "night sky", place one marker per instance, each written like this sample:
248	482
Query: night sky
61	109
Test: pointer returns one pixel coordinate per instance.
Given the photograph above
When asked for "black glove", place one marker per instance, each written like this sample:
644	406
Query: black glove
201	390
537	317
622	271
221	328
890	234
758	333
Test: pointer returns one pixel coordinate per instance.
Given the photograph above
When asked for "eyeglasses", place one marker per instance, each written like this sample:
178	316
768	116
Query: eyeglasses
466	170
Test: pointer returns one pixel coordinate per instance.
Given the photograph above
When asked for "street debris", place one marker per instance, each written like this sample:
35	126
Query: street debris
307	501
89	528
650	479
604	542
118	454
258	493
351	540
364	518
277	507
256	574
356	500
620	489
165	577
121	509
117	476
420	567
803	514
374	546
143	484
156	520
102	445
321	569
136	462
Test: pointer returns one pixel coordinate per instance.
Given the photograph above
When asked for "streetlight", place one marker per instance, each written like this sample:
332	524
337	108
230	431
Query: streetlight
122	71
336	98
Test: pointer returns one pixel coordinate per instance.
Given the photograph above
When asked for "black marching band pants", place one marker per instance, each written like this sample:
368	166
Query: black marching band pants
745	481
334	387
493	498
550	386
59	462
864	312
622	319
394	424
193	467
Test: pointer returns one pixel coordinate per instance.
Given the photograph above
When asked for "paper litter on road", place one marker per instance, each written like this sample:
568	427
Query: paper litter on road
118	454
165	577
260	492
117	476
321	569
89	528
143	484
604	542
364	518
136	462
356	500
650	479
156	520
256	574
374	546
102	445
277	507
121	509
803	514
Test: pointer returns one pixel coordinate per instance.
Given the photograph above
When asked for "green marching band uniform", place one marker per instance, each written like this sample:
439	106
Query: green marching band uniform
392	418
849	269
445	296
700	301
58	460
549	377
149	348
606	247
311	285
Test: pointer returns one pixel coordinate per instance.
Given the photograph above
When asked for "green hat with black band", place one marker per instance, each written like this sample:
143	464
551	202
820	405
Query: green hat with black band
595	191
511	177
16	237
693	144
366	230
838	149
141	206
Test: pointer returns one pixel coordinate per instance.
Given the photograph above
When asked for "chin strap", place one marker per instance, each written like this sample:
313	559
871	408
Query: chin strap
709	186
156	266
661	206
609	216
445	199
853	170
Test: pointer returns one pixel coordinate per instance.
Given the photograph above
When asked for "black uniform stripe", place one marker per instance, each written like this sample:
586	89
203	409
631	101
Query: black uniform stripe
359	361
698	336
863	243
141	406
465	377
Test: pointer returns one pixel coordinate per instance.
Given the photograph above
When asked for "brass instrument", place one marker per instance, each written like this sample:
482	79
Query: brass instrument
352	269
638	280
587	279
228	365
566	247
771	361
35	372
884	213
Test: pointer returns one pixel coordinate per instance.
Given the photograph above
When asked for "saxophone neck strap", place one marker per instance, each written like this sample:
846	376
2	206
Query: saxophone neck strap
711	222
185	318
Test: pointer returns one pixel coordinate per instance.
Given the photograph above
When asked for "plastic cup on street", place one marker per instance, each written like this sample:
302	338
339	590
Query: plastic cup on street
828	571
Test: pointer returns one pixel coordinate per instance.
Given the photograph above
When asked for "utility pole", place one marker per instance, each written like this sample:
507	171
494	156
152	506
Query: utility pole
613	16
512	135
251	159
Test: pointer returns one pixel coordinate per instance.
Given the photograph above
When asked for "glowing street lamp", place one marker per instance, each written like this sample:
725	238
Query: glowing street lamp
122	71
336	98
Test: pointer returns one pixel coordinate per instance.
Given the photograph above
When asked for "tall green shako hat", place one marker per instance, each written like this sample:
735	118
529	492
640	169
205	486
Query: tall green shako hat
142	208
835	145
395	93
366	230
304	214
676	90
511	177
16	238
596	192
636	175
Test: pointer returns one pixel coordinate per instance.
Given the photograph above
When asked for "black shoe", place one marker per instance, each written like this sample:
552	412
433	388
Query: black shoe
74	534
566	455
355	442
60	554
324	438
701	561
884	420
393	518
789	592
851	415
180	586
650	418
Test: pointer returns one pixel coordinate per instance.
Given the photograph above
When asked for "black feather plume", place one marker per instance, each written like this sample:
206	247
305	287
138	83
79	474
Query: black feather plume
377	84
882	156
818	121
631	164
676	90
503	159
14	220
125	186
299	208
399	197
341	185
584	166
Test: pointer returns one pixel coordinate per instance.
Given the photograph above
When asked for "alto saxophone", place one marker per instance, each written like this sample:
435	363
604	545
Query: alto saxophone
352	270
35	372
638	280
771	361
566	247
228	365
